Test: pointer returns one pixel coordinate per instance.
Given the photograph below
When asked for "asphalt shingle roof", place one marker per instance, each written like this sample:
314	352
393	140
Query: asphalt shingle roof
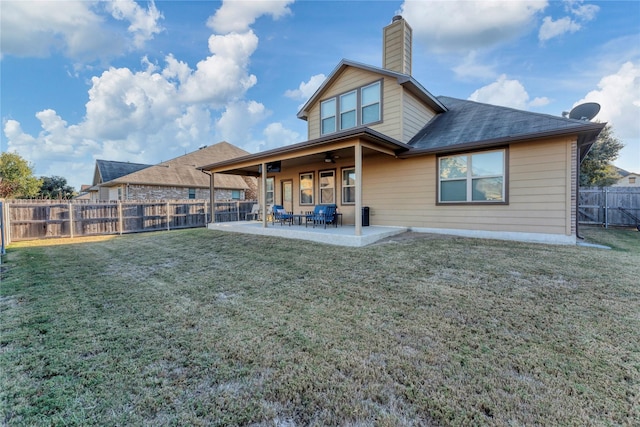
110	170
469	122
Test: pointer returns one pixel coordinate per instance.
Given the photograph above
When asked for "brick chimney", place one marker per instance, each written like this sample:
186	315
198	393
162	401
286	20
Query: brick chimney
396	46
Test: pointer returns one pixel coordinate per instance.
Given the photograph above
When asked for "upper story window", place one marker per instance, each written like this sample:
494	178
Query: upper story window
348	105
354	108
192	193
472	178
371	103
328	116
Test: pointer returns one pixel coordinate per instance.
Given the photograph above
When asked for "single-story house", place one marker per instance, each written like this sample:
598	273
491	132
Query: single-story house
628	179
177	178
379	142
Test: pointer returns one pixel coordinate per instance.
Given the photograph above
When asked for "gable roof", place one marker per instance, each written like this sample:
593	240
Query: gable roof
108	170
469	124
182	171
405	80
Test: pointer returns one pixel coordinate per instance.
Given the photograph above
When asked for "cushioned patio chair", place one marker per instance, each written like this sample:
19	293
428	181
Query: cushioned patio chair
254	214
280	215
323	214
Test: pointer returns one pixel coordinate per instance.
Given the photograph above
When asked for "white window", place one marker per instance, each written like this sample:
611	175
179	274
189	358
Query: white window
306	188
348	186
327	187
474	177
192	193
328	116
348	106
270	192
371	103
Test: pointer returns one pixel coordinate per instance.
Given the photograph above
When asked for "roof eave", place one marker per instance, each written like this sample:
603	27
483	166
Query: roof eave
403	80
362	132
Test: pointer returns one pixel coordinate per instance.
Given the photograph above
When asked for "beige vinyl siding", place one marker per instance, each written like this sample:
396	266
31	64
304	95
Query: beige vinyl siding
416	116
353	78
403	193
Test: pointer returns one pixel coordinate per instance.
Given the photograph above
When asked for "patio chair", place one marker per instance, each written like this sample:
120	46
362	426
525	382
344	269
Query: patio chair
254	214
281	215
323	214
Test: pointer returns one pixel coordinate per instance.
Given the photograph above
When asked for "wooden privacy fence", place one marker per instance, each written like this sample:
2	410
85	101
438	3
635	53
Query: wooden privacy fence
40	219
617	206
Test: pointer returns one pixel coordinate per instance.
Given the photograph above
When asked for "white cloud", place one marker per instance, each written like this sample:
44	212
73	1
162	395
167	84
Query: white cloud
471	68
224	75
147	115
581	13
619	98
78	29
144	24
276	135
237	121
585	12
238	16
306	89
551	28
460	25
539	102
508	93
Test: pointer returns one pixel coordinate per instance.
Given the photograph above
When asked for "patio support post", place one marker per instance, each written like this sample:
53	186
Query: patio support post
263	193
213	198
358	162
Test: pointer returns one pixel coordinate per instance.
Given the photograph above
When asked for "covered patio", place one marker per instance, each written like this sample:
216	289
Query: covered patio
333	154
339	236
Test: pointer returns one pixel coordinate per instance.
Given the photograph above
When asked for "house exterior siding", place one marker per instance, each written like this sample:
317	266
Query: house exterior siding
402	192
353	78
538	201
416	116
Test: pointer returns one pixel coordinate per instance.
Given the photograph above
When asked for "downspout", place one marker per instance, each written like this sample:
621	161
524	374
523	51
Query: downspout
211	194
579	161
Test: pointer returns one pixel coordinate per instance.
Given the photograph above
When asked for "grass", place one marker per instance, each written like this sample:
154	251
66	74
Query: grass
197	327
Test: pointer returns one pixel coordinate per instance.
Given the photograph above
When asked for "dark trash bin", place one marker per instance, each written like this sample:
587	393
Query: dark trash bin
365	216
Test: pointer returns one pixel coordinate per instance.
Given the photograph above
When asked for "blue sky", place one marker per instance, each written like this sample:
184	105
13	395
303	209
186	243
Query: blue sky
145	82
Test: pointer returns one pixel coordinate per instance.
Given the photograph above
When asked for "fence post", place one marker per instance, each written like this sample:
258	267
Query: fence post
238	209
70	219
168	218
120	220
606	207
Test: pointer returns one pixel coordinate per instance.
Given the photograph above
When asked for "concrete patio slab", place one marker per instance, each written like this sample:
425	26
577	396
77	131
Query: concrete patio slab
339	236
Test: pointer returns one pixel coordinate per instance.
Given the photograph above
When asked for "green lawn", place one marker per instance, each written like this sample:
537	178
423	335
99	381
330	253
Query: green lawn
197	327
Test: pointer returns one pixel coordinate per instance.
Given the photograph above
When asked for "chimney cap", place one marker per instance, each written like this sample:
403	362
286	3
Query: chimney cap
397	18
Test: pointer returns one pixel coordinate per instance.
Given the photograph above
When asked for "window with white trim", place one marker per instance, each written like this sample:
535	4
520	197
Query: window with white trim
328	116
357	107
472	178
371	103
348	186
327	182
270	191
192	193
348	107
306	188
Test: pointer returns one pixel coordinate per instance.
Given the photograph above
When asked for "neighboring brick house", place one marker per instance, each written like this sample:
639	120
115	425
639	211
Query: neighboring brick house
174	179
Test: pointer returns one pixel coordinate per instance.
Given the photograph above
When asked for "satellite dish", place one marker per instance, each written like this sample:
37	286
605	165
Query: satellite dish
586	111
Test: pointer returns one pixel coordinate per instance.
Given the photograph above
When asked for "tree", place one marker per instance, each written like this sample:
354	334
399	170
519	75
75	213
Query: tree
16	177
55	187
596	169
